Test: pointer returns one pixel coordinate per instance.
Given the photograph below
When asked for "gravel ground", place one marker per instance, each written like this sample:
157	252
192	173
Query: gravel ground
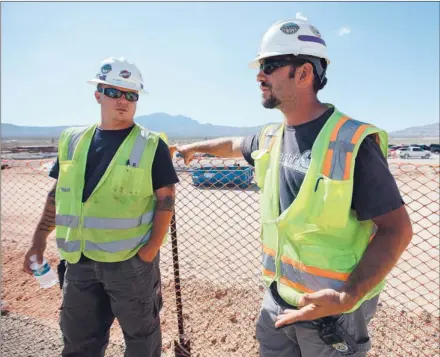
219	325
23	336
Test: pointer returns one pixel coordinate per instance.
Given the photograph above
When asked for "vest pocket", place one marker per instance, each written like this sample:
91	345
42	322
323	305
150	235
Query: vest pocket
127	180
331	202
261	161
66	177
136	181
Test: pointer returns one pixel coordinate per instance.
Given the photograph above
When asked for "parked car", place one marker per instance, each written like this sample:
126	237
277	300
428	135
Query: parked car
424	147
435	148
392	150
414	152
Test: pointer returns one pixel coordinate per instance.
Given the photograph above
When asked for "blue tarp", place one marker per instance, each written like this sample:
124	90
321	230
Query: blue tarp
220	176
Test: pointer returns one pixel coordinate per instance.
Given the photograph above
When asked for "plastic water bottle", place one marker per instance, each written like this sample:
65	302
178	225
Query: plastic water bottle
43	273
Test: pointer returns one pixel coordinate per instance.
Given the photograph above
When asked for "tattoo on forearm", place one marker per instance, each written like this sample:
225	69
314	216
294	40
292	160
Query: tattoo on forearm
47	222
166	204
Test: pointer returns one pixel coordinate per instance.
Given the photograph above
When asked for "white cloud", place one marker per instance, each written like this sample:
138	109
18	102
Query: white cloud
344	31
300	16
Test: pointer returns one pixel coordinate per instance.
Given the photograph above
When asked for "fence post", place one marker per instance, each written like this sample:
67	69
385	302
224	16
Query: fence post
182	348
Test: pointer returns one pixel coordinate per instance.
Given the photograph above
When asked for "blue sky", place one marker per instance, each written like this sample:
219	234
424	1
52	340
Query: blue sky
194	57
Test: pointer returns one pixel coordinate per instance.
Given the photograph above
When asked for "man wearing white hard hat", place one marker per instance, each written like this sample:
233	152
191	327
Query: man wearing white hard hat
111	207
333	223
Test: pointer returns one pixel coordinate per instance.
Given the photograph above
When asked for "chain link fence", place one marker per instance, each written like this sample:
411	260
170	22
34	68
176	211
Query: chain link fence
217	274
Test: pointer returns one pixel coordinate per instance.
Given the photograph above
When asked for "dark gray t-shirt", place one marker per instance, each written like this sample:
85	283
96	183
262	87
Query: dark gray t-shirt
375	191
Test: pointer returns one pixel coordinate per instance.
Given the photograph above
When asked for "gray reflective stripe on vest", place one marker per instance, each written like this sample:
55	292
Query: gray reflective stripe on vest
109	247
66	220
269	262
341	146
104	223
270	132
308	280
118	246
70	246
74	138
138	147
117	223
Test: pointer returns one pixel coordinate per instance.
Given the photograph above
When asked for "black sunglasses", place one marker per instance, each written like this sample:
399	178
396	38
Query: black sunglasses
268	67
116	93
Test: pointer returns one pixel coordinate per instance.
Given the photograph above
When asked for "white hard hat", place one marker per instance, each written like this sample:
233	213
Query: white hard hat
120	73
291	37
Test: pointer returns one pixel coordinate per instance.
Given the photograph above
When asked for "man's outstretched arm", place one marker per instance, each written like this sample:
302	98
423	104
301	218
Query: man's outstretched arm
222	147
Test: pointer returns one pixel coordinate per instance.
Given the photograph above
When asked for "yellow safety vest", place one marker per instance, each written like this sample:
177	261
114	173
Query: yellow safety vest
117	218
317	242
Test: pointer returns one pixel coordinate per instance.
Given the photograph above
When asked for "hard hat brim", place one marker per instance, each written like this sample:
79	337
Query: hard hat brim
100	81
255	64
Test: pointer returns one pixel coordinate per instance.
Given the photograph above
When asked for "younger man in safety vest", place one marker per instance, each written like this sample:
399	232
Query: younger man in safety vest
112	205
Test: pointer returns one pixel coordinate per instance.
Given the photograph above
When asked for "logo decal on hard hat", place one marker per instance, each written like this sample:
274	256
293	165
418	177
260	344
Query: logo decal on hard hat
125	74
106	68
289	28
315	31
102	77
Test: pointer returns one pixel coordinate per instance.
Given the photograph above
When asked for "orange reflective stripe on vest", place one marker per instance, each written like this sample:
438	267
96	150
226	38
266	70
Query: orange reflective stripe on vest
308	278
269	267
345	135
296	286
301	277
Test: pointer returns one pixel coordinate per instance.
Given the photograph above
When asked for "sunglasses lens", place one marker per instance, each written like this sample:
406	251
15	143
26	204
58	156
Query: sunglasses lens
112	93
268	68
271	65
116	93
131	96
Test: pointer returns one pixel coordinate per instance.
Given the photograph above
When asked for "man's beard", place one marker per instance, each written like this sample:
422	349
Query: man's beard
271	102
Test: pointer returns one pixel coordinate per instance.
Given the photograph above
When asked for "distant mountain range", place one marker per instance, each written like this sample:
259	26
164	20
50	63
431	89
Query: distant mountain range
421	131
174	126
183	127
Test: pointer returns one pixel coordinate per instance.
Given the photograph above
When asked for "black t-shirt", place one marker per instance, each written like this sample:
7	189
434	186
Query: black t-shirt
103	147
375	191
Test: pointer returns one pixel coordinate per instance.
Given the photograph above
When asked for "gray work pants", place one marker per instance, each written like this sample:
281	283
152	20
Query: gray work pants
301	340
95	293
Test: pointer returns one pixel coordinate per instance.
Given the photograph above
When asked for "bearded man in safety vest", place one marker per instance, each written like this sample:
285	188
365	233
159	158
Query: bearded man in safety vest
112	205
333	220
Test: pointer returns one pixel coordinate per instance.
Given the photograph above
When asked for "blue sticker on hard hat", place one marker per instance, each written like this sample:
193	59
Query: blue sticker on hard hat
308	38
289	28
102	77
142	86
125	74
315	31
106	68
